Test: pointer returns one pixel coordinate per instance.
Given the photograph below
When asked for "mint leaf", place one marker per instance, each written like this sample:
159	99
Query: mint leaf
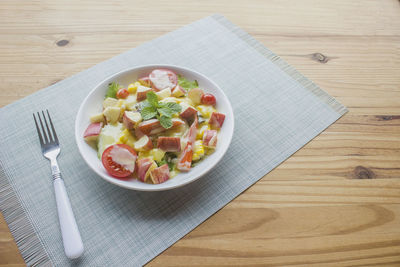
165	111
187	84
148	113
152	98
166	122
145	104
112	90
174	107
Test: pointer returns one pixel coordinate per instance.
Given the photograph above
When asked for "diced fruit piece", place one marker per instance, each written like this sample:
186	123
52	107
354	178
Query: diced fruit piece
217	119
131	119
110	102
112	114
122	93
157	154
169	144
198	151
208	99
188	112
177	122
195	95
110	134
185	159
92	132
163	79
133	87
97	118
148	126
160	174
138	133
141	92
145	166
163	94
119	160
178	91
210	138
145	81
130	102
144	143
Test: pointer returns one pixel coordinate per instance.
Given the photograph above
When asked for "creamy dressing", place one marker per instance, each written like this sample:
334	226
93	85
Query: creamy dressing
161	80
123	157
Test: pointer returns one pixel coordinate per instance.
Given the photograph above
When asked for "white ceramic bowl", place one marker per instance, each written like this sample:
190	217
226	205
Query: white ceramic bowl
92	104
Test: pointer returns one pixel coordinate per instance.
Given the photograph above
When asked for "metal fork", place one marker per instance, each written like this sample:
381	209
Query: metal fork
72	241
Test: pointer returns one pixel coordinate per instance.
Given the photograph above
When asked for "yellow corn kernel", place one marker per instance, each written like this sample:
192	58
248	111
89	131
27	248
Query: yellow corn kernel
133	87
127	138
144	154
198	151
200	132
206	111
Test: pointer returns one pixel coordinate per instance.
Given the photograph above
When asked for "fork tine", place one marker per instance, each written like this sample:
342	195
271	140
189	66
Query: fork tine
43	130
38	131
52	127
51	139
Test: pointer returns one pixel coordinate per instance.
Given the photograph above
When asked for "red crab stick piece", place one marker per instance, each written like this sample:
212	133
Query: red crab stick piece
217	119
160	174
210	138
153	126
185	158
169	144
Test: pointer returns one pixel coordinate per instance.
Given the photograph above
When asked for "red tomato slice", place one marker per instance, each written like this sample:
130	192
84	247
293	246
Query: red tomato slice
122	93
155	74
208	99
114	168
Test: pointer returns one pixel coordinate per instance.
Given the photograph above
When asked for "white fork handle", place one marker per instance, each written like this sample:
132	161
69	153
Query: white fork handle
72	241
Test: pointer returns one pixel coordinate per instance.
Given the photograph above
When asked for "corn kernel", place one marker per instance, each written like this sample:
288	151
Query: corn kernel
127	138
198	151
200	132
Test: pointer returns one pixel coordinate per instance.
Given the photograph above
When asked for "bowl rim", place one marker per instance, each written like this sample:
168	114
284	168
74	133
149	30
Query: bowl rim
185	182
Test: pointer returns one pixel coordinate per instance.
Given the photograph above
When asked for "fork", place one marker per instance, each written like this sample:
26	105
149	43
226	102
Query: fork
72	241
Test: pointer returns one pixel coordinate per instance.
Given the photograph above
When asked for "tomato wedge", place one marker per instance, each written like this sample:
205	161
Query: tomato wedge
163	79
119	160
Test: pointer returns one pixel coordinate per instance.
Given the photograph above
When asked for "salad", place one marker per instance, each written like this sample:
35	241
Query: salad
154	128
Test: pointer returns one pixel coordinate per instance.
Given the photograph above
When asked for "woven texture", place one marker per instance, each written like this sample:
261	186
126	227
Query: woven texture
277	111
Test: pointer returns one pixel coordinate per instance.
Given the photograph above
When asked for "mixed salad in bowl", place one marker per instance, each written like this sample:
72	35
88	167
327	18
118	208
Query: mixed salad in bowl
154	128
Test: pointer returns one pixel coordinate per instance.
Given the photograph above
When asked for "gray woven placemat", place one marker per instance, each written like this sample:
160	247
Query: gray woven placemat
277	111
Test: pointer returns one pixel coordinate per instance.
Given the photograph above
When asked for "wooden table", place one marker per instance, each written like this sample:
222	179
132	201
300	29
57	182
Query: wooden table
336	202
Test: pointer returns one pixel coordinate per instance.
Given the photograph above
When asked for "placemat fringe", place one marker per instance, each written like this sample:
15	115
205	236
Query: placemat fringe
20	227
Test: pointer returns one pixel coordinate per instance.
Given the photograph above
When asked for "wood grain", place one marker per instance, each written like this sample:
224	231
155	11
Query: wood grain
336	202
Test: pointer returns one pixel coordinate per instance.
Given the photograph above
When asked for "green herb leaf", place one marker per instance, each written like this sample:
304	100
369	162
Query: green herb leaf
112	90
165	111
187	84
152	98
174	107
145	104
148	113
165	121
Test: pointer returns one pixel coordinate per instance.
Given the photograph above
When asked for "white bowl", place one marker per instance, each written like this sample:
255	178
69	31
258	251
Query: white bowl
92	104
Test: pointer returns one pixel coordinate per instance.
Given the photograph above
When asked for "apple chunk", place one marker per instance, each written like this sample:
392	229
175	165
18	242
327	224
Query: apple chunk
210	138
145	166
131	119
188	112
169	144
141	92
178	91
195	95
143	144
160	174
217	119
92	132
